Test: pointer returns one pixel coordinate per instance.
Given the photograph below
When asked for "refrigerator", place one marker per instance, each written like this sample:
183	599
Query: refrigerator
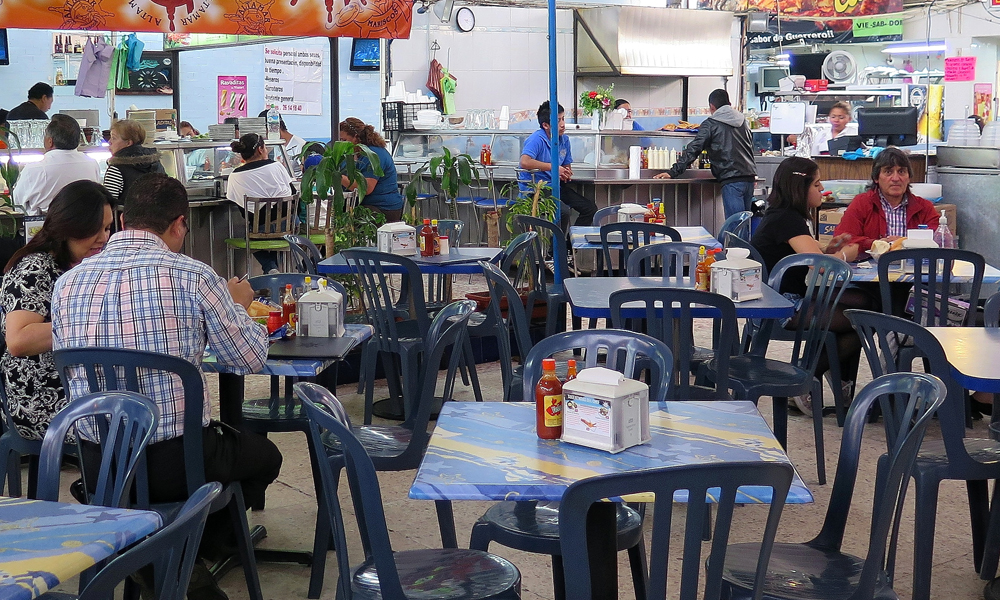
970	179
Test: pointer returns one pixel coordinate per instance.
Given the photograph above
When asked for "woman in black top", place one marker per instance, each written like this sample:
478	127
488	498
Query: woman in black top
786	230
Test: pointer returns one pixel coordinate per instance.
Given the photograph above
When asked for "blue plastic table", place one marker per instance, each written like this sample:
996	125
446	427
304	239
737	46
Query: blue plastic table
591	297
972	353
695	235
45	543
457	262
961	273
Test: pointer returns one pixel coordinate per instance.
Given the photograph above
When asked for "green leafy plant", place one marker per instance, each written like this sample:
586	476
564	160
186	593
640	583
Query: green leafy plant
600	99
446	172
536	201
9	172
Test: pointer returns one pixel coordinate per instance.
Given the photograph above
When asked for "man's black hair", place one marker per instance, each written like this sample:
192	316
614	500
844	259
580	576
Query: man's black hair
40	90
719	98
153	202
544	113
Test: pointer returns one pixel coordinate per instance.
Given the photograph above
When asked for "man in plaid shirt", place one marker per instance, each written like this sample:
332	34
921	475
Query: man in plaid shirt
141	293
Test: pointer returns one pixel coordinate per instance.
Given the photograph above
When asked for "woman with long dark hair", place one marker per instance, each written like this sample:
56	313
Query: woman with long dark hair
786	230
77	226
383	192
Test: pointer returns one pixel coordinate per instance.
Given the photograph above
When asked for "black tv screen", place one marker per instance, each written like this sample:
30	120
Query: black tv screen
4	50
365	55
808	65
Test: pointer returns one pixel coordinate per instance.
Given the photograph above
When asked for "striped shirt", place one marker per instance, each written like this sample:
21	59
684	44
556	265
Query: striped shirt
895	218
139	294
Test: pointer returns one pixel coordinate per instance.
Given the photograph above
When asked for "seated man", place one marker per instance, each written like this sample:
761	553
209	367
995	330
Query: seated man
888	208
537	154
142	293
40	181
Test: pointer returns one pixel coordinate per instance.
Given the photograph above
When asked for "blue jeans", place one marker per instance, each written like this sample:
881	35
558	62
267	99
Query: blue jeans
736	197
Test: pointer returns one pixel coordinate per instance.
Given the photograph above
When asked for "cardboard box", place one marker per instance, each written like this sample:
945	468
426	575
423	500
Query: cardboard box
828	220
950	211
166	118
604	410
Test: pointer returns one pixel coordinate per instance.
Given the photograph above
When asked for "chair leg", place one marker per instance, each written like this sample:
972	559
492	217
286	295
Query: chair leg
839	402
979	509
817	417
481	536
238	512
33	476
991	553
446	523
923	537
780	417
558	578
470	361
637	564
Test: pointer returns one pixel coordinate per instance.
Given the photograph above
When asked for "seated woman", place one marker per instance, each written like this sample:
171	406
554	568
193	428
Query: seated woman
888	208
785	230
258	177
129	160
77	226
383	192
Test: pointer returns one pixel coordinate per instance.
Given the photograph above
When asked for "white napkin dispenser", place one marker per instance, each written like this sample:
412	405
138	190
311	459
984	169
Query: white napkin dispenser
918	238
738	277
631	213
397	238
604	410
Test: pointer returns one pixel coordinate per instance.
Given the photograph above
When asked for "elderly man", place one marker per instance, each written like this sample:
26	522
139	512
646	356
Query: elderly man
38	103
141	293
40	181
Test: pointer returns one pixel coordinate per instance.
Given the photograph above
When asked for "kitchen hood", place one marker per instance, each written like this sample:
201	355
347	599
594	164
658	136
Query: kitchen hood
633	40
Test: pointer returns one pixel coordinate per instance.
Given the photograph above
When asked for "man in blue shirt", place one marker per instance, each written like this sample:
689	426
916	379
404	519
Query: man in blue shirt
537	155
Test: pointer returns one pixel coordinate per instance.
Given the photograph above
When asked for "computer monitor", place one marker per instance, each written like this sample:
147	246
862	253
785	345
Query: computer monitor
4	50
895	126
768	77
93	117
808	65
366	55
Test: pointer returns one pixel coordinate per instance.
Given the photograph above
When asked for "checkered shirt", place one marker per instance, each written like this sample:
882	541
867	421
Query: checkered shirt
139	294
895	218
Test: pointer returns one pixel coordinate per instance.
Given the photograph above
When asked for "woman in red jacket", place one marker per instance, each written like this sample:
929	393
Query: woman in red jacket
888	208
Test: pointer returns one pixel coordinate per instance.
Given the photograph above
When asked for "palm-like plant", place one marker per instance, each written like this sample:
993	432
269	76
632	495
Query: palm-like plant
447	171
9	173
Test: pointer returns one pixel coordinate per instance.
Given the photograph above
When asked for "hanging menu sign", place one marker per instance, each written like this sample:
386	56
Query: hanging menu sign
232	96
293	79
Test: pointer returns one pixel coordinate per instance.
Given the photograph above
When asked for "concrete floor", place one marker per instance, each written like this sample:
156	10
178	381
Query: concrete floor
291	508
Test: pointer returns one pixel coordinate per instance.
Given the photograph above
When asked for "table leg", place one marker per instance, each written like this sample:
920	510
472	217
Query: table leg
231	399
446	523
602	550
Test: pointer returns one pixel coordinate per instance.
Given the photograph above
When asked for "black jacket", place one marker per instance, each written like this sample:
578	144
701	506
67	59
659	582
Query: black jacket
727	139
131	163
26	110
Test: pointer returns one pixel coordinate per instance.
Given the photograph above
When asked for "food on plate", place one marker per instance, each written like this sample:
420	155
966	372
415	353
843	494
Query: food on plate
879	247
258	309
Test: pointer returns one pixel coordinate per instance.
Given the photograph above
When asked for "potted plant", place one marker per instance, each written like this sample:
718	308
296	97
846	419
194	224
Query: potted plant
597	103
9	174
446	172
536	201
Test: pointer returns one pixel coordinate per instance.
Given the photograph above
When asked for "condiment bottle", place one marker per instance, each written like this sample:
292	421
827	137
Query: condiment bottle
444	245
274	321
548	402
426	239
436	239
701	273
650	215
570	371
660	217
288	306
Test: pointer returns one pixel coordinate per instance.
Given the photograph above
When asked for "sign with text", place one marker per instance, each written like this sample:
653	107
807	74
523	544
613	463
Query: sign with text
815	32
982	100
869	27
960	68
820	8
232	96
293	80
388	19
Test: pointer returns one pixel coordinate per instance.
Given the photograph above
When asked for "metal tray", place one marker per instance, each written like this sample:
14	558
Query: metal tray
974	157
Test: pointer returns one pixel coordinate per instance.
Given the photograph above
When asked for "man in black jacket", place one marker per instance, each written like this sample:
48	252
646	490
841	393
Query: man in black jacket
39	101
726	138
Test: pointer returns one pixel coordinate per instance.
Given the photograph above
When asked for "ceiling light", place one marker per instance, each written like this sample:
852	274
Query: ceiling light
915	48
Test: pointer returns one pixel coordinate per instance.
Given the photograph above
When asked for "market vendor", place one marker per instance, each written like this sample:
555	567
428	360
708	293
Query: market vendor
39	101
383	192
838	125
888	208
623	103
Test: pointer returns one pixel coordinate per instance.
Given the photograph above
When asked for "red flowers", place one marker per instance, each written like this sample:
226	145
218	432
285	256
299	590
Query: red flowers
592	94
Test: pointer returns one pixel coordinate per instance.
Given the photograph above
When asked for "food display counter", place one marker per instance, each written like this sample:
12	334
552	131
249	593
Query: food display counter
834	167
600	167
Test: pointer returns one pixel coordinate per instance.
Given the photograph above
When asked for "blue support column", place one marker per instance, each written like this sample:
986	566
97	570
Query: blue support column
554	121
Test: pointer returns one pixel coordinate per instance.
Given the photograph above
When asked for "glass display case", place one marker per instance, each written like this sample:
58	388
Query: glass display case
199	164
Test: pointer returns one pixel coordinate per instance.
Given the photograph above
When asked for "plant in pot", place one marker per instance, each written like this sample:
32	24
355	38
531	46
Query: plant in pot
446	172
9	174
536	201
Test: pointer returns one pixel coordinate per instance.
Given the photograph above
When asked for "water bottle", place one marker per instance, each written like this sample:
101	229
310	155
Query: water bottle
273	124
942	235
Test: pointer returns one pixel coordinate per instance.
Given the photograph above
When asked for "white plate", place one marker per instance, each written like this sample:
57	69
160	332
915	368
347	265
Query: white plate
425	126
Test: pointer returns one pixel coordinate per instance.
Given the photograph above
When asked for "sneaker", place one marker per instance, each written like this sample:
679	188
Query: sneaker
803	403
203	585
846	388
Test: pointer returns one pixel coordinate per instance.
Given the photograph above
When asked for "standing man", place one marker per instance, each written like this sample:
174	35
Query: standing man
141	293
537	155
727	139
40	181
39	102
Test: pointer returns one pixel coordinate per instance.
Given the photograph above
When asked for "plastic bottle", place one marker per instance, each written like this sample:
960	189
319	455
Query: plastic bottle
436	240
426	239
650	213
307	284
273	124
660	217
570	370
288	306
548	402
444	245
701	273
942	235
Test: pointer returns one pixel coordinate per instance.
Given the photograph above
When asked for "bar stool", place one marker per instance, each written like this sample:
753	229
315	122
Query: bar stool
486	204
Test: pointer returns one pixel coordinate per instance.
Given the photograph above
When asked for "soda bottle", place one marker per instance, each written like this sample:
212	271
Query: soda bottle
436	239
273	124
701	272
570	370
548	402
288	306
426	239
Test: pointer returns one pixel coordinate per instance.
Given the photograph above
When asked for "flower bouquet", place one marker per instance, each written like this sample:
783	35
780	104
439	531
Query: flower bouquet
600	100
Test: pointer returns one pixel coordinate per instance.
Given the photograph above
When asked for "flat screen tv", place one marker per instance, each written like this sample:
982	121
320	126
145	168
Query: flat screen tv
809	65
365	55
889	126
4	50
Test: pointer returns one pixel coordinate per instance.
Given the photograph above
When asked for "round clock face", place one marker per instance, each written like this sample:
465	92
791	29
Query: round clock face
465	19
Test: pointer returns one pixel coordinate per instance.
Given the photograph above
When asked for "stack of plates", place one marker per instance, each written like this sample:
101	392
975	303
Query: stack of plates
256	125
146	118
224	132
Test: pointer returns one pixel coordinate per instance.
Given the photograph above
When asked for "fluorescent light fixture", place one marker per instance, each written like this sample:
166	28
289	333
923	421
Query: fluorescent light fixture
915	48
782	63
784	56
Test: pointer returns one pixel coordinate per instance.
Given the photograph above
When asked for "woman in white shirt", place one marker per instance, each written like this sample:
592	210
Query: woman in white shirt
258	177
840	125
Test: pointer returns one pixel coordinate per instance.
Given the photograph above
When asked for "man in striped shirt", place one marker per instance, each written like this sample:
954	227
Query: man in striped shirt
141	293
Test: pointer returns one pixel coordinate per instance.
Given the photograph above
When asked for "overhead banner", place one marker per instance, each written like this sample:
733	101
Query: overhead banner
826	32
293	80
823	8
390	19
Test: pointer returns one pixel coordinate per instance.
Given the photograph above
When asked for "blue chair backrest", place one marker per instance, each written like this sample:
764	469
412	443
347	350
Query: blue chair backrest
117	369
453	229
991	311
712	481
738	224
172	551
908	402
674	327
502	293
734	241
548	233
626	352
276	284
633	235
670	260
306	254
608	213
932	272
125	422
372	271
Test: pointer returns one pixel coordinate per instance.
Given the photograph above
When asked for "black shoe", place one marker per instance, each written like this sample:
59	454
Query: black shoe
980	407
77	490
992	590
203	585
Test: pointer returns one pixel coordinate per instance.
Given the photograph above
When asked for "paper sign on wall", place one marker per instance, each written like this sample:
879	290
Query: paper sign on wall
293	79
960	68
982	102
232	96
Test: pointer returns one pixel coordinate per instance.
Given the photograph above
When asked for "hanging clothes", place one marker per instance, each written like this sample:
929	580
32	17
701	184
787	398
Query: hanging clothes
118	79
448	86
95	66
135	47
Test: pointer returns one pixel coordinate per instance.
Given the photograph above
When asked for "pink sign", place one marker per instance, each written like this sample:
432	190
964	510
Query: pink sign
960	68
232	96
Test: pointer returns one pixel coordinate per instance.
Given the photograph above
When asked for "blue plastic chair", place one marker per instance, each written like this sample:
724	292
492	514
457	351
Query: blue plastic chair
752	375
718	481
953	457
819	569
991	311
172	552
737	224
530	527
104	369
632	235
433	573
504	294
554	293
606	214
305	254
671	260
674	327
